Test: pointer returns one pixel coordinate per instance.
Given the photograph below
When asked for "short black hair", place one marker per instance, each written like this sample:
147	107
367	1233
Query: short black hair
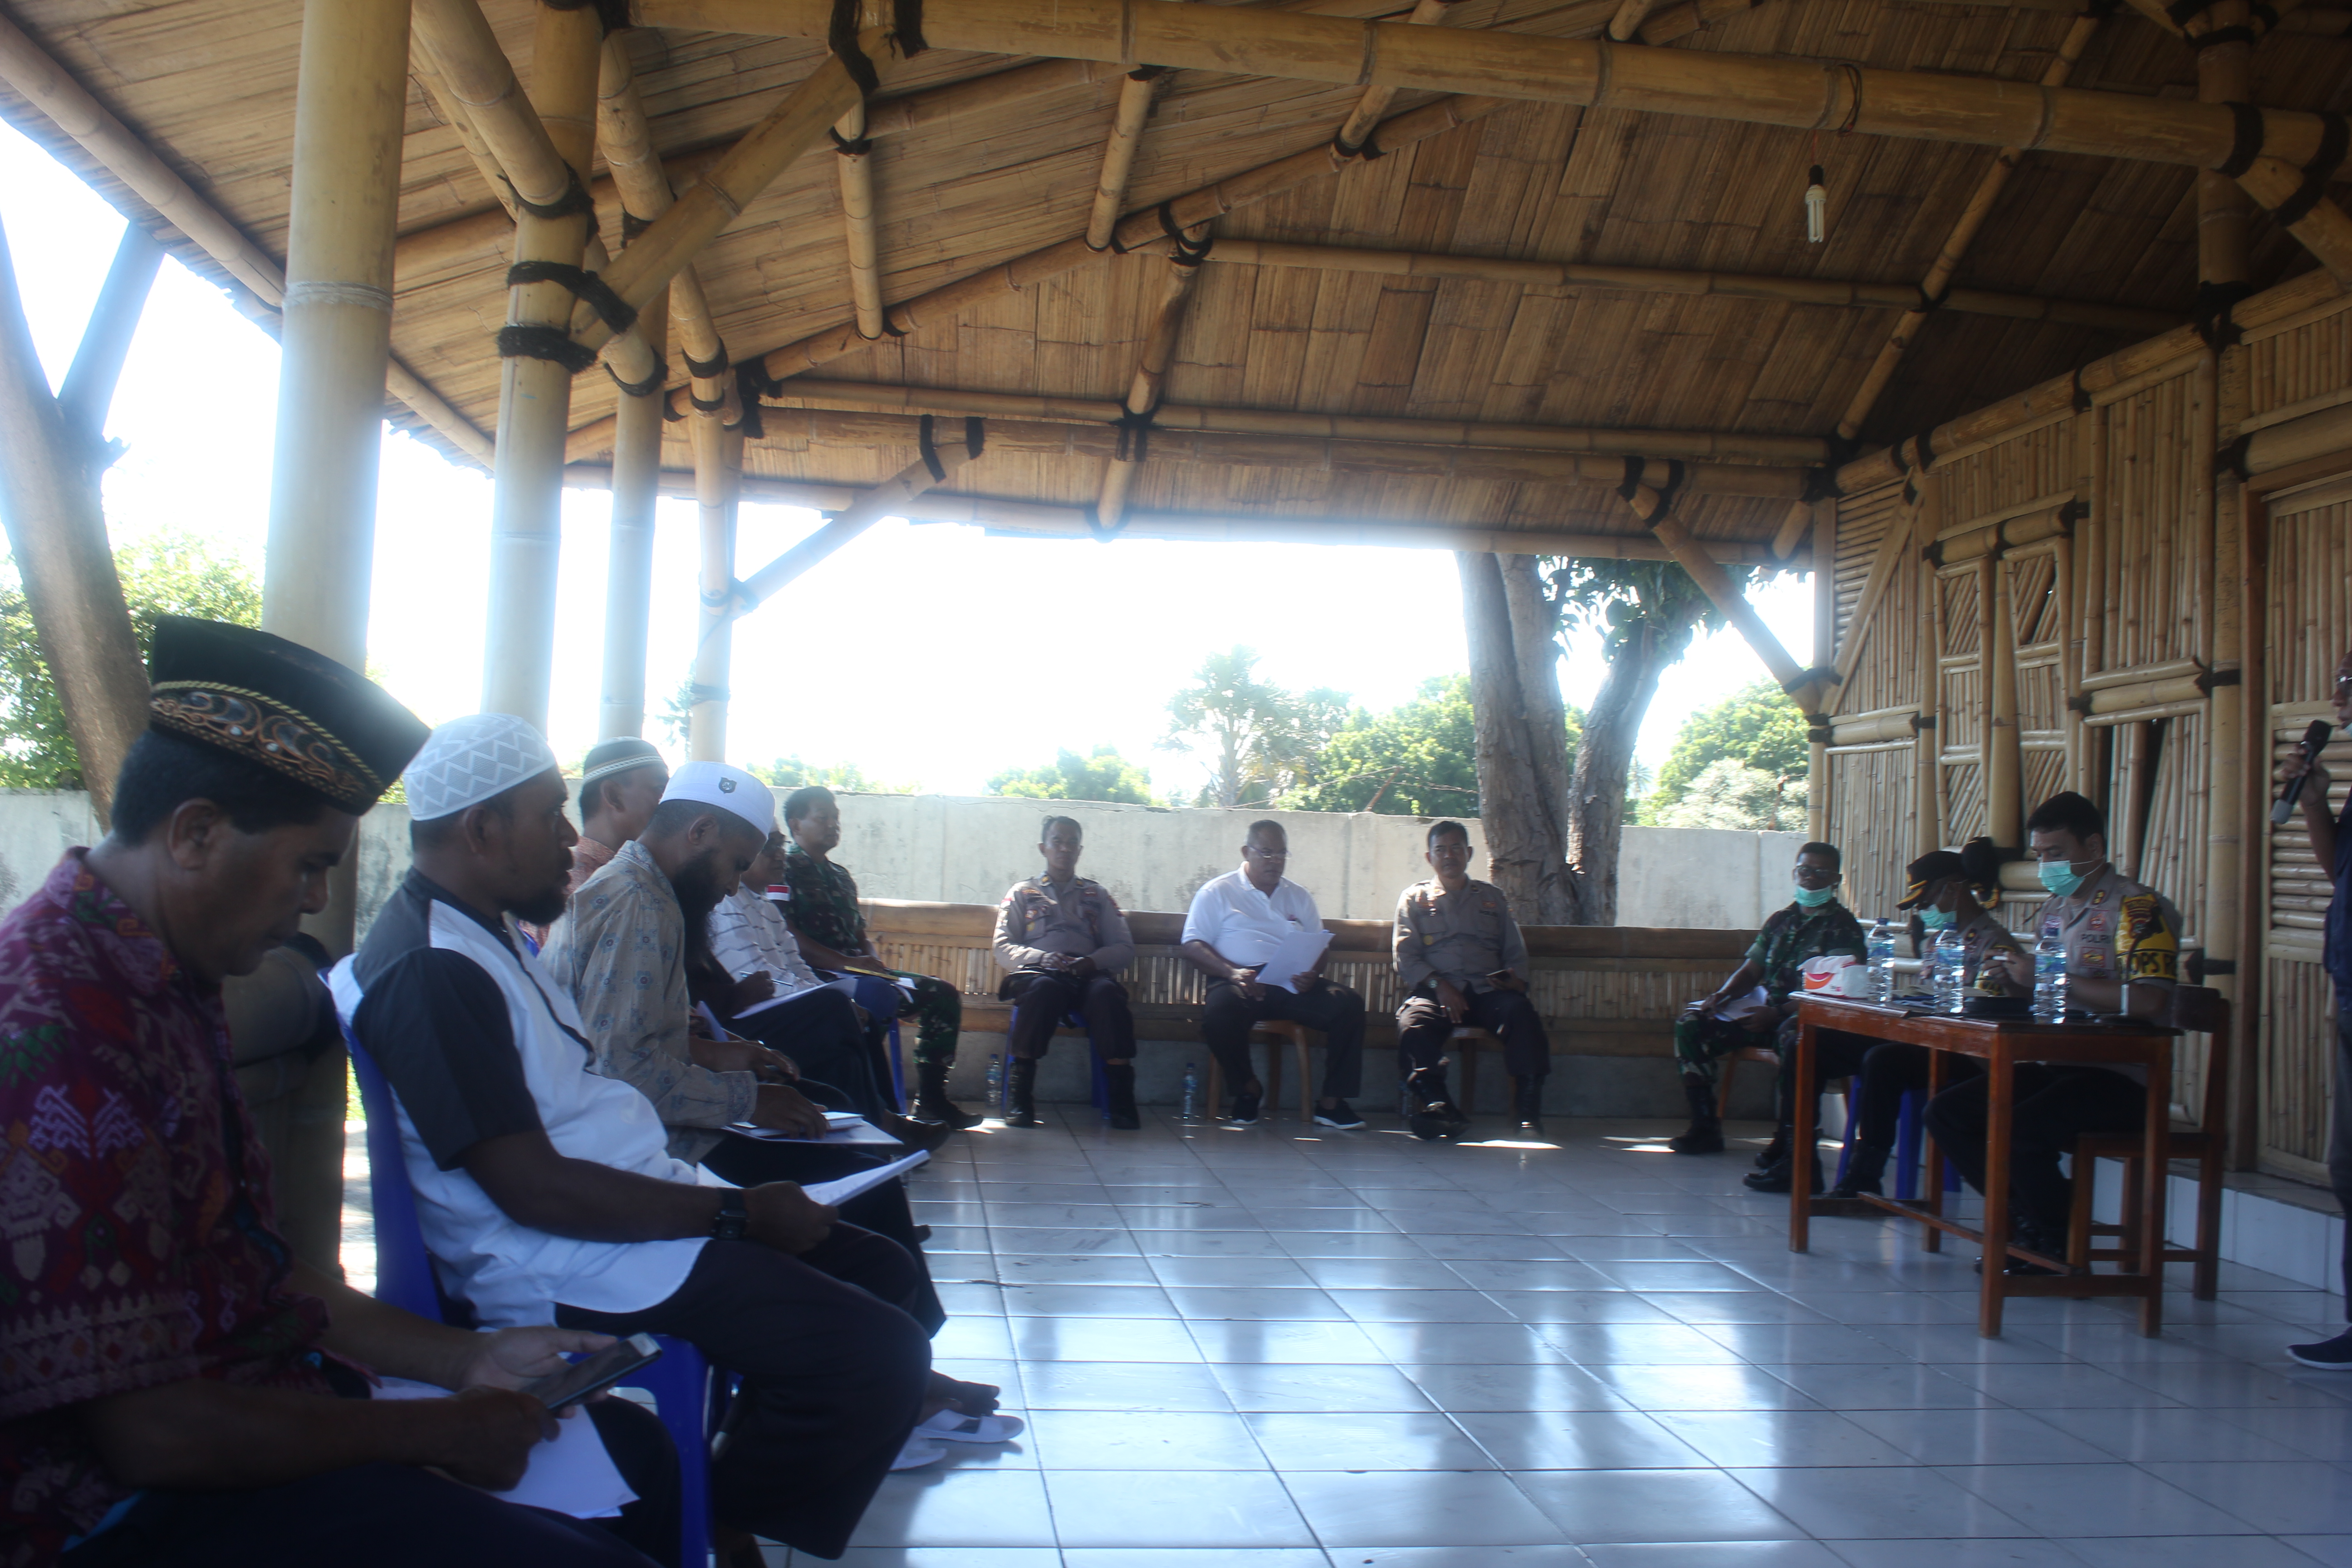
1046	828
432	835
1437	827
1260	825
1837	861
2067	811
674	815
163	771
806	799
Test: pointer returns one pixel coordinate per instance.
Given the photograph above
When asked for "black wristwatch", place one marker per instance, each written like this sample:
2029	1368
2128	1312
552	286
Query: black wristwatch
731	1220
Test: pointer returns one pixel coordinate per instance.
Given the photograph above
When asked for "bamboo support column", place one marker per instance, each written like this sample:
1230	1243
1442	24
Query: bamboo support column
2320	225
2004	757
1149	384
2251	575
535	394
854	163
1824	558
1135	95
718	489
871	507
1653	508
1935	721
629	564
1356	132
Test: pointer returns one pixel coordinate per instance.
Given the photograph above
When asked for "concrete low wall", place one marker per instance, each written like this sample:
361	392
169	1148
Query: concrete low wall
969	849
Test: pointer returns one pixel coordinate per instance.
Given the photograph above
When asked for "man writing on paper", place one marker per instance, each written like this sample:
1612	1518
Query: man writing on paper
1236	925
1460	959
546	1191
1061	940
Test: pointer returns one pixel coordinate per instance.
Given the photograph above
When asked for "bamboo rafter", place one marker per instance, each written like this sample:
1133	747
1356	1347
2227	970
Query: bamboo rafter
1355	131
888	498
854	163
1146	387
1133	108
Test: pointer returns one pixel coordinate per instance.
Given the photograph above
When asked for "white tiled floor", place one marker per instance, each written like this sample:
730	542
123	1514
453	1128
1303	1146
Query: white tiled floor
1273	1347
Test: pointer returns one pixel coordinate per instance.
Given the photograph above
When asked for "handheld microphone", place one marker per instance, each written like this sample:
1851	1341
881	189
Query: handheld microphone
2313	740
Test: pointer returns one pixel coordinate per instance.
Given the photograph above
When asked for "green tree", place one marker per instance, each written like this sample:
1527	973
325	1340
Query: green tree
163	575
1757	728
790	772
1257	740
1728	793
1418	759
1102	775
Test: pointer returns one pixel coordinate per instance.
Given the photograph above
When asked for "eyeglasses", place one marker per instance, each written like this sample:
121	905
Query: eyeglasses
1816	874
1253	849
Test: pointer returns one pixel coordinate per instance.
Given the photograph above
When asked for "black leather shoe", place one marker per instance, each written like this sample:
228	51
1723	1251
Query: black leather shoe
1777	1178
1244	1110
1700	1138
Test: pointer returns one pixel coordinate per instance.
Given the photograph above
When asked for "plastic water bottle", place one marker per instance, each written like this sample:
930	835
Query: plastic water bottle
993	1096
1951	957
2050	976
1189	1108
1882	962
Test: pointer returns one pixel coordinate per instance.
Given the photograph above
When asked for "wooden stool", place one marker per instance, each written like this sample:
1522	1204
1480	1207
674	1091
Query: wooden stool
1272	1033
1465	1042
2198	1010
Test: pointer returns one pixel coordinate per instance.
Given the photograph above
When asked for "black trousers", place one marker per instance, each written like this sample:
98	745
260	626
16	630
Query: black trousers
1335	1011
747	1162
834	1369
1836	1054
1891	1071
396	1516
2053	1105
1041	1001
819	1030
2339	1133
1423	1029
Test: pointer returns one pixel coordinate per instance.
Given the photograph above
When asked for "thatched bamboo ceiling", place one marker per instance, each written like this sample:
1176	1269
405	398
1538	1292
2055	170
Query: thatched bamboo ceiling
209	85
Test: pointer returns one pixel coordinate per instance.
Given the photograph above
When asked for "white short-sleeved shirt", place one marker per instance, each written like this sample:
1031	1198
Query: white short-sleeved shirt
1243	924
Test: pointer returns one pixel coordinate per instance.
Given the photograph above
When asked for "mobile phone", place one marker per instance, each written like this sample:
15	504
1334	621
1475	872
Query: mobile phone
595	1373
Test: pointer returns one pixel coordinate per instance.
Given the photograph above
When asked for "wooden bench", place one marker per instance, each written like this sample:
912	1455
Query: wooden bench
1601	990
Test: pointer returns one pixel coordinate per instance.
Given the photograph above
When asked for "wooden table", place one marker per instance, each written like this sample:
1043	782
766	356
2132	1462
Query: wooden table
1999	1044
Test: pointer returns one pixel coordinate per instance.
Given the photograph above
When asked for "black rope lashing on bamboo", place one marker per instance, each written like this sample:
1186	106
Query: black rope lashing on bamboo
2078	396
1821	484
2072	512
671	412
1932	302
1675	473
2245	139
2100	10
753	382
2334	136
581	285
1147	73
841	37
1183	250
1843	450
1368	149
2232	459
2209	314
646	388
847	148
1134	433
975	437
708	369
931	452
1632	486
1854	111
552	343
1093	515
575	200
612	15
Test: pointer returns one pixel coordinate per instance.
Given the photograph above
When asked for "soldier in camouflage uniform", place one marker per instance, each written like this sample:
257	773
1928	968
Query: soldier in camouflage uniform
1060	941
1814	926
821	906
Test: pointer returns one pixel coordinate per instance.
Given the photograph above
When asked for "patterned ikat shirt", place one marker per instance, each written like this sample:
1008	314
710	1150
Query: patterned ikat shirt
134	1201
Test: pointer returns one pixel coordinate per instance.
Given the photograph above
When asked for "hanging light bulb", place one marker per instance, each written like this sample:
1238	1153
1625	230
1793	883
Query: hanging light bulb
1817	208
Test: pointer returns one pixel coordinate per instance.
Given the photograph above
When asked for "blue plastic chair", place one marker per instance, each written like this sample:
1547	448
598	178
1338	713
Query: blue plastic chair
679	1382
883	998
1909	1135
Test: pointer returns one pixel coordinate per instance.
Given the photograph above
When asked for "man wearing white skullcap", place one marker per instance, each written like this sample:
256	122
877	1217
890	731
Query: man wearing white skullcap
547	1192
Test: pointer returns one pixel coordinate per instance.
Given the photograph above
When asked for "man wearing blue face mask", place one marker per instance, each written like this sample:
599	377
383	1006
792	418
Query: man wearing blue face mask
2114	930
1812	926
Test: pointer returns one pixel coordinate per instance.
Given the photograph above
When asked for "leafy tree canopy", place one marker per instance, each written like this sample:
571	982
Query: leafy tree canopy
1102	775
1417	759
1757	727
1726	792
790	772
1258	740
162	574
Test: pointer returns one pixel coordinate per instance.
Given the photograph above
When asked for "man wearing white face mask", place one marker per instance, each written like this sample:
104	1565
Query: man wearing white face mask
2114	930
1814	926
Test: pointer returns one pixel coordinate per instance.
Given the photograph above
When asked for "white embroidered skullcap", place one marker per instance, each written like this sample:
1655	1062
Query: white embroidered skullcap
730	789
468	759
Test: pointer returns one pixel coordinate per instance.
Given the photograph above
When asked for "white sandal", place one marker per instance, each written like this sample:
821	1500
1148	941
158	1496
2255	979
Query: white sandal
952	1425
919	1451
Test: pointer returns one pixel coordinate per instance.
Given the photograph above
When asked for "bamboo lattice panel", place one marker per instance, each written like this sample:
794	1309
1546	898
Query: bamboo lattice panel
1886	674
2038	463
2145	567
1871	823
2297	1069
2309	364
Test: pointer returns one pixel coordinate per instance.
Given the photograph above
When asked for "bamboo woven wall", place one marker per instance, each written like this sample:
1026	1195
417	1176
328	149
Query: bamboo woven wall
2299	365
1871	822
2144	570
1886	673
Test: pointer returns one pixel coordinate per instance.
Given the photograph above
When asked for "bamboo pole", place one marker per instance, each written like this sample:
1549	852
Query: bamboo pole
885	500
718	489
1685	281
1357	129
629	561
1627	24
350	97
427	68
2003	757
1145	387
2254	757
854	163
797	123
2323	227
624	136
88	390
1934	717
811	391
1652	508
49	501
535	394
1798	94
1824	551
1134	107
52	89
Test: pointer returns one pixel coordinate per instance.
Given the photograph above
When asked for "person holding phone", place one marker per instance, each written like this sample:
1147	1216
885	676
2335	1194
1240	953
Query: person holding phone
1460	960
1236	923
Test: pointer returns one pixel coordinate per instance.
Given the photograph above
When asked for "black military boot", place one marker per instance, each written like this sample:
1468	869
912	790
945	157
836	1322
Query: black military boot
931	1101
1866	1172
1021	1094
1777	1177
1434	1114
1527	1104
1704	1135
1118	1077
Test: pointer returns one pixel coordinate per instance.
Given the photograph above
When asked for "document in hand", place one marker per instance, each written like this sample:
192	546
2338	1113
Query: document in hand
850	1186
846	987
1740	1007
841	1127
1296	954
570	1473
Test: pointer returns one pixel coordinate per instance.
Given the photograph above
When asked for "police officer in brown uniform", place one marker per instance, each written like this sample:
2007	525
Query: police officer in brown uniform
1460	960
1062	938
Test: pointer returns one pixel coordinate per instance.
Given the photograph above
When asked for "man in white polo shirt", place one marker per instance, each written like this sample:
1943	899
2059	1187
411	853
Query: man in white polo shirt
1235	924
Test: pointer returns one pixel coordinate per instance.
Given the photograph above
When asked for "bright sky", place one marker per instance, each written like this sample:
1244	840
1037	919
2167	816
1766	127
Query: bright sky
972	654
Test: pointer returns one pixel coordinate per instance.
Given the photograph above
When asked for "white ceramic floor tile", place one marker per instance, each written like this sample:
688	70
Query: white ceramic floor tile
1149	1508
2065	1501
1880	1503
1635	1506
1419	1508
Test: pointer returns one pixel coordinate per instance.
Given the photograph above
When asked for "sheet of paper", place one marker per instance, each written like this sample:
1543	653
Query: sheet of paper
1295	955
571	1474
848	1187
856	1130
1740	1007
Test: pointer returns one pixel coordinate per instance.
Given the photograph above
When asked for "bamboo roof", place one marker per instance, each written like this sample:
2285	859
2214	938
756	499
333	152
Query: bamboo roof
209	86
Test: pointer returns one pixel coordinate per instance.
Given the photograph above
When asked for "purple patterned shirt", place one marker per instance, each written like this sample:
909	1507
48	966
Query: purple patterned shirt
134	1201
